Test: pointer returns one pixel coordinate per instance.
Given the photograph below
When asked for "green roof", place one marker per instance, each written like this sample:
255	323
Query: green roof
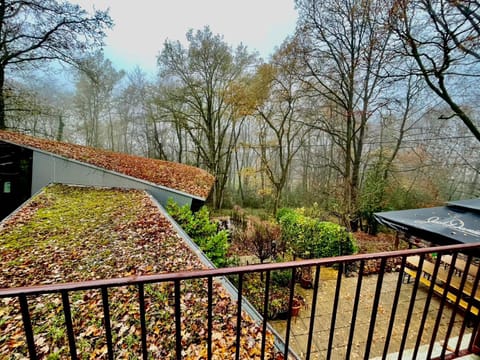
71	233
188	179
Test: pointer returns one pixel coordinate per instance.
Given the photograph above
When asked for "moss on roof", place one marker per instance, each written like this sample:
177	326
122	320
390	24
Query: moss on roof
176	176
71	233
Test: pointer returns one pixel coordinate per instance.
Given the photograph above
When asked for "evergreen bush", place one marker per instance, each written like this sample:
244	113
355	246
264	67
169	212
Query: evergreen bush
204	232
310	238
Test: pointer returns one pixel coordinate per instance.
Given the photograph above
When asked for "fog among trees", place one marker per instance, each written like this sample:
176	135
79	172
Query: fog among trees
369	106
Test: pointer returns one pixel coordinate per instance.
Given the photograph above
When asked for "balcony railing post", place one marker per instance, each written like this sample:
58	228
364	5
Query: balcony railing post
265	313
209	317
334	310
394	308
455	307
239	317
376	301
427	306
474	344
27	324
178	321
143	323
355	309
443	301
68	323
289	318
108	325
313	312
411	306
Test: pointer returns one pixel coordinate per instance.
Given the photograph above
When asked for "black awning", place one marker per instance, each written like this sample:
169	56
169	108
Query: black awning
456	223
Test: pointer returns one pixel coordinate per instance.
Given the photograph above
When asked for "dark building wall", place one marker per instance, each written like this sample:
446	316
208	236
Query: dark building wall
15	177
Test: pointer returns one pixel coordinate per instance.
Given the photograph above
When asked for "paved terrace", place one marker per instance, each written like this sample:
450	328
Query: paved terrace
323	316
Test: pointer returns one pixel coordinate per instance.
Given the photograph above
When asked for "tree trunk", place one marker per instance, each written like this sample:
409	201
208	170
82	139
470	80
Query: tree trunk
61	126
276	203
3	125
239	178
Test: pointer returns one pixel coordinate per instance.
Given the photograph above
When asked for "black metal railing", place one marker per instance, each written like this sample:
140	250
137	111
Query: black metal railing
442	296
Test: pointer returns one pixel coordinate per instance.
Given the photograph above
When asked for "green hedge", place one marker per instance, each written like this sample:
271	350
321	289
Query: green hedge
204	232
310	238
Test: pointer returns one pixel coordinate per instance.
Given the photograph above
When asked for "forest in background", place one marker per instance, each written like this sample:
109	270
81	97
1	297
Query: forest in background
369	106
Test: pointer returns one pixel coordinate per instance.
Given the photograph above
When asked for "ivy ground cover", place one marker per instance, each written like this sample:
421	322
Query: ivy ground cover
68	234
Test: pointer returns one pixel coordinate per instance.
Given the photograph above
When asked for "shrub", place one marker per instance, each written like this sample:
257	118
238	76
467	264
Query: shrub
204	232
281	278
215	247
262	238
310	238
287	218
279	296
239	217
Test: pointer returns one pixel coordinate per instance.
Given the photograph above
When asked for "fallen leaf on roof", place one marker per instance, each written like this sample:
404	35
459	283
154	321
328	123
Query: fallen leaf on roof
71	233
176	176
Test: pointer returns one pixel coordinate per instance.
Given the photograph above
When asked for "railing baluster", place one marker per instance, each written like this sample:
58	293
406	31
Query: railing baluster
355	309
456	306
394	308
475	327
239	316
178	321
474	345
143	323
467	316
265	313
411	306
209	317
27	324
334	310
65	290
376	301
427	306
108	325
443	301
289	318
313	312
68	323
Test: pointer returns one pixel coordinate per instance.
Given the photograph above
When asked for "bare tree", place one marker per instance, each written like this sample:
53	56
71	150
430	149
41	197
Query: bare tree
201	76
281	133
36	30
344	47
97	79
38	103
135	105
441	37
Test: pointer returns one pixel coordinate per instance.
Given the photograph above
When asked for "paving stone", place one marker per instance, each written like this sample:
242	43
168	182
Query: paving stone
323	317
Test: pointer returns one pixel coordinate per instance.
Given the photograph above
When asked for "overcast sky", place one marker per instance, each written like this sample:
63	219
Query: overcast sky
142	26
